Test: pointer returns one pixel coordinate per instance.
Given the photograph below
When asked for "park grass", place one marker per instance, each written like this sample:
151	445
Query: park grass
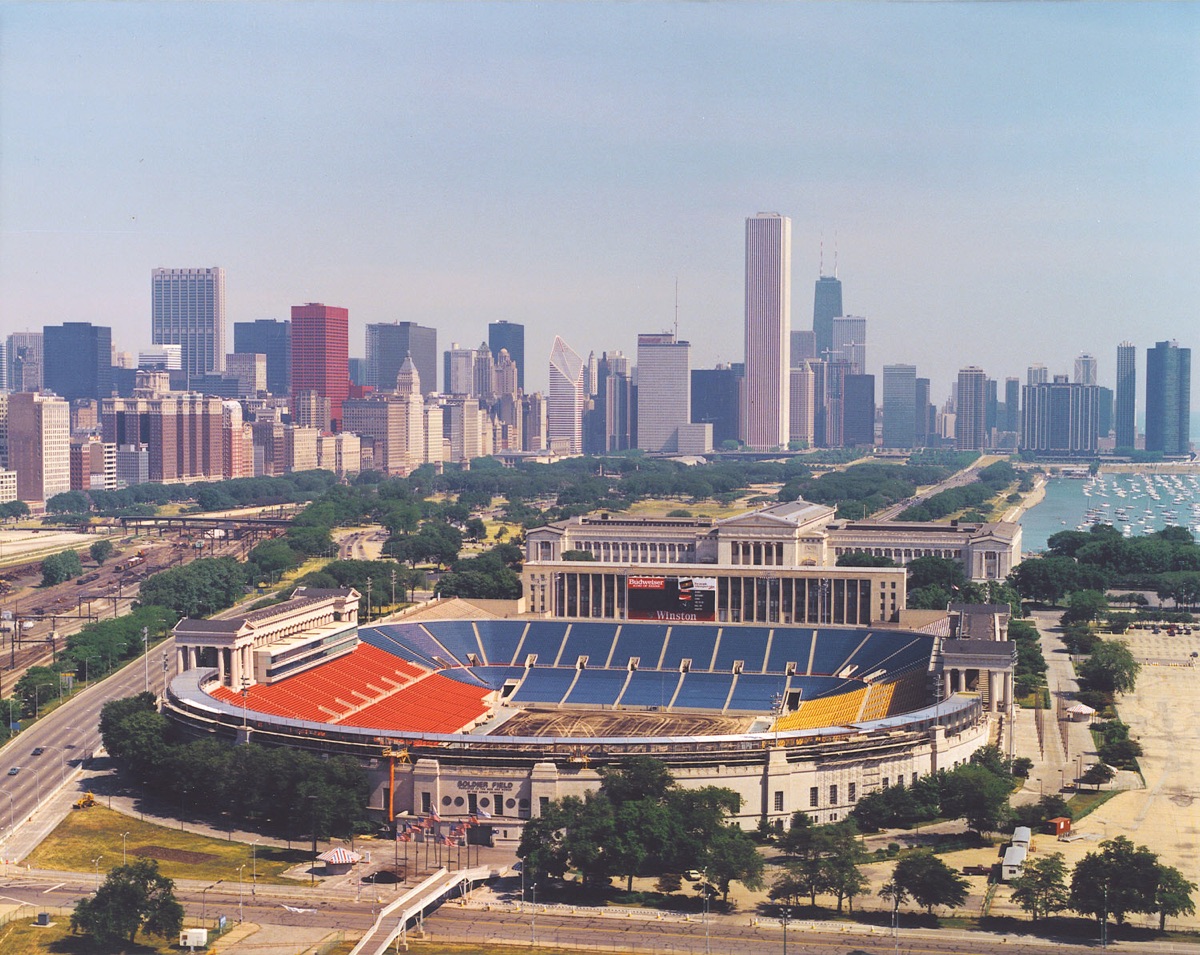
660	507
1083	803
22	937
87	833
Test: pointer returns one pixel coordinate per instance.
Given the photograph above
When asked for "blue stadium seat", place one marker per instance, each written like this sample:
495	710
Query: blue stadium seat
757	692
544	685
500	639
591	640
597	687
643	640
494	677
789	645
457	636
706	691
385	638
690	642
544	637
748	644
833	650
652	688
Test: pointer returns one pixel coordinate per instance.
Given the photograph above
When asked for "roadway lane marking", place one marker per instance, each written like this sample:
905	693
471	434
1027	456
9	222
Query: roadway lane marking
53	887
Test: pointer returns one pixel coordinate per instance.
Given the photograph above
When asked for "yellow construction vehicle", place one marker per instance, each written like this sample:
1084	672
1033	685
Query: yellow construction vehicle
86	801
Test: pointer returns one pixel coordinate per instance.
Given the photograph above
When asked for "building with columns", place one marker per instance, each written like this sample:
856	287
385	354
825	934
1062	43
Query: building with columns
266	645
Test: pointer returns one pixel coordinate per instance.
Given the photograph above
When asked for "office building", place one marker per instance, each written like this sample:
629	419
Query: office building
77	360
93	464
1086	369
182	433
1037	374
768	331
133	465
458	370
566	400
899	406
320	355
827	305
161	358
850	342
858	411
249	370
23	352
39	445
665	397
1104	411
509	336
804	346
273	338
716	400
398	423
970	423
1168	398
1059	418
802	416
188	309
1126	396
507	375
388	346
926	419
1012	405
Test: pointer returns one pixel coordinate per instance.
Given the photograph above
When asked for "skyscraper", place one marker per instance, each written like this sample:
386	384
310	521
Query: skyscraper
768	330
39	445
802	419
564	407
1059	417
804	346
77	360
1168	398
24	358
716	400
188	309
858	411
1037	374
387	347
1012	404
1086	369
321	355
665	396
971	410
509	335
1126	400
850	342
899	406
273	338
827	305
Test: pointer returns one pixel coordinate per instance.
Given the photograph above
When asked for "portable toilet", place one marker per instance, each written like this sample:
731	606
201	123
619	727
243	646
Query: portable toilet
1059	826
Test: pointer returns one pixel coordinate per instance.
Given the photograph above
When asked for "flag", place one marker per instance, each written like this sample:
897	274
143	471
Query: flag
485	814
474	820
433	817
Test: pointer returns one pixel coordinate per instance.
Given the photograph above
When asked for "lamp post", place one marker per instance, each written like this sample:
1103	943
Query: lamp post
253	866
96	863
786	913
204	898
393	590
241	869
245	693
146	654
124	836
313	871
368	600
533	919
37	776
62	763
704	889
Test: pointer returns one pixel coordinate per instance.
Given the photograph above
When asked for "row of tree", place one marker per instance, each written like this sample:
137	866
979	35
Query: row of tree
990	482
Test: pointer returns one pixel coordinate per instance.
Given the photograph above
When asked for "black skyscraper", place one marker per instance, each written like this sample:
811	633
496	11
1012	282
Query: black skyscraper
858	411
273	338
509	335
715	401
1168	398
1126	398
389	345
77	360
827	305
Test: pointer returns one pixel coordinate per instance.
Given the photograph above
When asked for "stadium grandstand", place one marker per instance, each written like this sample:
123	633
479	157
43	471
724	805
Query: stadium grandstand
458	710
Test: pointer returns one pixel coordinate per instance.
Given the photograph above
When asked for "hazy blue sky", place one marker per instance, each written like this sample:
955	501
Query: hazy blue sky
1008	182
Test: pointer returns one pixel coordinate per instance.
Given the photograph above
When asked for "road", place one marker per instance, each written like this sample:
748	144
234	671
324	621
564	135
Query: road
966	476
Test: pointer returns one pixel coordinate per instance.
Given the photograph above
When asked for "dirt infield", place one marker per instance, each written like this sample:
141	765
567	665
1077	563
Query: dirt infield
535	722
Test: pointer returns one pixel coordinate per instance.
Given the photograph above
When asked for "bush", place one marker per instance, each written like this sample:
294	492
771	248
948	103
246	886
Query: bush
59	568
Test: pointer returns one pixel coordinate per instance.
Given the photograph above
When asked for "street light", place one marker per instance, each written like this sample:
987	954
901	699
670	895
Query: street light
124	836
146	654
786	913
11	814
253	866
37	776
96	863
204	898
62	763
241	868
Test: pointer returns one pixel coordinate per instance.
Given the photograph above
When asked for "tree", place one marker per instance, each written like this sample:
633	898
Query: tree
1041	889
101	550
1118	879
1085	606
1111	668
929	881
133	898
840	874
69	502
36	686
731	856
978	795
1097	775
59	568
1045	578
1172	895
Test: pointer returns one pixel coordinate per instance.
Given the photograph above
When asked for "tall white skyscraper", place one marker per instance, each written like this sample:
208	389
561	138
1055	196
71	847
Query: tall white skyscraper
850	342
768	331
664	405
39	443
564	407
188	309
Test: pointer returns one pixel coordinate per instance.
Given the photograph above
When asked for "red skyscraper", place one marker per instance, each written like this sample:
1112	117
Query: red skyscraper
321	354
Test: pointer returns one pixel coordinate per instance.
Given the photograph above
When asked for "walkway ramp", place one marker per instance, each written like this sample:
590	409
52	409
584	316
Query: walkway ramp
394	919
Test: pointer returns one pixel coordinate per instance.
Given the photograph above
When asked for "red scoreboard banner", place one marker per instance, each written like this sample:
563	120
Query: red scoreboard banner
684	599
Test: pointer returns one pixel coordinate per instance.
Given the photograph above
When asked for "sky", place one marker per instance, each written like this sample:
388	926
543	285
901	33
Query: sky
1003	183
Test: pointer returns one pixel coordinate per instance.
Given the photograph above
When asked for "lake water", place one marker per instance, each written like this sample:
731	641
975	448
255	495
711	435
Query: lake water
1137	503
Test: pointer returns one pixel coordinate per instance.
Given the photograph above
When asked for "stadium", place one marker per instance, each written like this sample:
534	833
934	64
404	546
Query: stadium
468	710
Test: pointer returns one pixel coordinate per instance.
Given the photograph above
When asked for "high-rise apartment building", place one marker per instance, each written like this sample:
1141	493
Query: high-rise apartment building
827	305
388	346
1168	398
858	411
39	445
1126	396
183	433
850	342
1059	417
321	354
510	336
1012	404
899	406
273	338
1037	374
458	370
665	397
768	331
970	421
1086	369
77	360
188	309
566	400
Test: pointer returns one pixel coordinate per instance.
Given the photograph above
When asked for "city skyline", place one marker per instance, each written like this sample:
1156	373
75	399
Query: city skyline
1031	189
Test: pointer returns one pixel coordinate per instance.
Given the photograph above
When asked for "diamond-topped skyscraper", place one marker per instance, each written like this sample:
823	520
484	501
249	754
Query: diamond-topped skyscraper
768	330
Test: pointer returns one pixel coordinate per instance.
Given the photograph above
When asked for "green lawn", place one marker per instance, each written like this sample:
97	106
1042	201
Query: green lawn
88	833
22	937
